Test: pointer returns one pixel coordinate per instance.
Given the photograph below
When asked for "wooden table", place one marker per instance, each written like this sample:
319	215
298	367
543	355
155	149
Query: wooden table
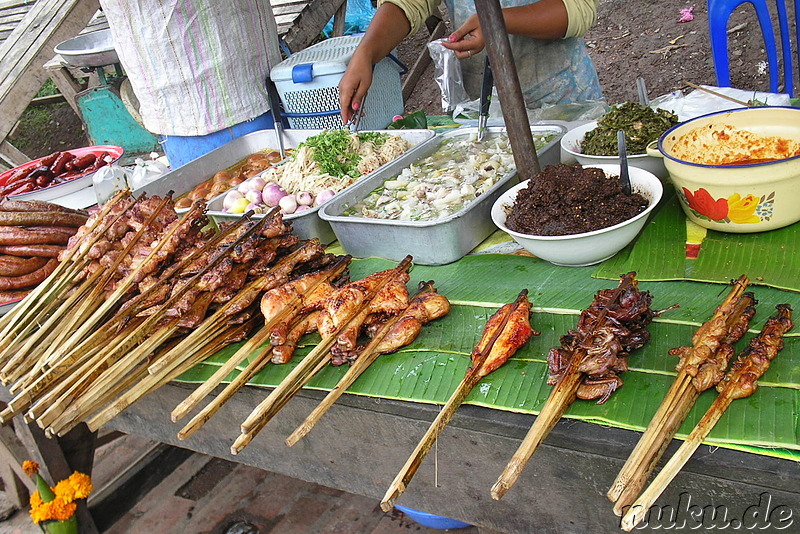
362	442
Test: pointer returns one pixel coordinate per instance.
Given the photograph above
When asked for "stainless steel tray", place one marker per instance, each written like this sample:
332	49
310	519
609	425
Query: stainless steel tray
307	224
429	242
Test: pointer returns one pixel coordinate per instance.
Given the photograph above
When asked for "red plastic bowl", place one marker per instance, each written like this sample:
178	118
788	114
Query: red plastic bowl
76	183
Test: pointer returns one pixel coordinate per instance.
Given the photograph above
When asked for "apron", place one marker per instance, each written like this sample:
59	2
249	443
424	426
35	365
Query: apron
551	71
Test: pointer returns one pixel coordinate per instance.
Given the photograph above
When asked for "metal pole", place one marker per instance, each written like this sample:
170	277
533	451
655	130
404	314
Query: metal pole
498	47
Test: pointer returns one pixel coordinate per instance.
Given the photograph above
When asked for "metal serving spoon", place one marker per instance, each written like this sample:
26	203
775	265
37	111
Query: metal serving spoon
624	176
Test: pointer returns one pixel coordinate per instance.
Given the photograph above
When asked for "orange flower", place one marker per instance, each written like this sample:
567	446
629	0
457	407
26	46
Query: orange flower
77	486
30	467
742	210
56	510
703	203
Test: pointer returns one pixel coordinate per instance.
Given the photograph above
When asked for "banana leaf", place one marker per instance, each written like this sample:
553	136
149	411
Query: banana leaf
767	258
431	367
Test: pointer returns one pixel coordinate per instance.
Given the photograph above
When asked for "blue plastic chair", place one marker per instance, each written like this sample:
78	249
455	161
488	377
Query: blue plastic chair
718	13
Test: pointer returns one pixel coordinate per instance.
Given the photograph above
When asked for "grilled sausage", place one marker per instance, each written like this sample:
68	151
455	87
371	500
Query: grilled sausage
27	251
30	279
16	266
41	218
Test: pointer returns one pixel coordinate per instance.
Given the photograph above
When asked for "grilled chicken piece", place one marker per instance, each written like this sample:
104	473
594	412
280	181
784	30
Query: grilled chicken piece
390	300
505	332
305	325
275	300
755	359
712	371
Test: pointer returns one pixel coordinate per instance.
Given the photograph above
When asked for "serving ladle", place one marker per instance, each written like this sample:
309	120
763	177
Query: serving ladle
624	175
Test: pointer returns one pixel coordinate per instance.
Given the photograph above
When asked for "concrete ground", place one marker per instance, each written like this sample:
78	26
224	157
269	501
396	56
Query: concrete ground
205	495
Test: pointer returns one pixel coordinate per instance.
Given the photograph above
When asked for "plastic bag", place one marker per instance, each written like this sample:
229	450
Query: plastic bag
699	103
146	171
447	73
108	180
358	16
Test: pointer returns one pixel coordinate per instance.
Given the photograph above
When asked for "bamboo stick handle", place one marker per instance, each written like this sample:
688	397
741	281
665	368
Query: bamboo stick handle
638	510
651	437
230	390
405	475
562	396
246	437
361	365
227	368
648	464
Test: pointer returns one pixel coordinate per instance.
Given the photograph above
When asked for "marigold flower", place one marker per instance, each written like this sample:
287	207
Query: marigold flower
77	486
56	510
30	467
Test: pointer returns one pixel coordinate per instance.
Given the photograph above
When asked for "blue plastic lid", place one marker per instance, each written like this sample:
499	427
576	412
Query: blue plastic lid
432	521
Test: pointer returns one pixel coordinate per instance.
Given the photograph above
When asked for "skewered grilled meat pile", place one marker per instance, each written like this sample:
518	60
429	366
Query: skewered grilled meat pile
608	330
133	283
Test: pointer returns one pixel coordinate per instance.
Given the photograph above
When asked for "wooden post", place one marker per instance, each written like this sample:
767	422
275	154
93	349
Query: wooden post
498	47
339	19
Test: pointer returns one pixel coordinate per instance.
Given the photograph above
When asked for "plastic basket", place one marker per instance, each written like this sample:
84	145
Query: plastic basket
308	84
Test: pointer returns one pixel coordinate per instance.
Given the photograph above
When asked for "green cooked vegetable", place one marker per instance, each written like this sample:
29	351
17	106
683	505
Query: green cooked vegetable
641	125
333	150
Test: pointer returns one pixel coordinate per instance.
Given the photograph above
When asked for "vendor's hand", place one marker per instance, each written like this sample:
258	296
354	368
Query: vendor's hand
467	40
354	85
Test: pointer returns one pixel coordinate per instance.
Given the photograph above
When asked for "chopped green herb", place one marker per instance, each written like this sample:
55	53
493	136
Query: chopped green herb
641	125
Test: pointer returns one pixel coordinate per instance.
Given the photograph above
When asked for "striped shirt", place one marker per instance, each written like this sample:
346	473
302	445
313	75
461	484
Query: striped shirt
196	66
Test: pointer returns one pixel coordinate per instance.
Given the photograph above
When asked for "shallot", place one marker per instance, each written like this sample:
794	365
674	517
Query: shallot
272	194
288	204
304	198
324	196
232	196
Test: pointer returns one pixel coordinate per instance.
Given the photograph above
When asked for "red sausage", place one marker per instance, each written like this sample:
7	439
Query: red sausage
58	165
30	279
28	251
80	163
47	161
18	175
16	266
12	296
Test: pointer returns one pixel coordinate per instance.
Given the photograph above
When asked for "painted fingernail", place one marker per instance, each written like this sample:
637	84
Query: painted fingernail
397	118
453	38
356	105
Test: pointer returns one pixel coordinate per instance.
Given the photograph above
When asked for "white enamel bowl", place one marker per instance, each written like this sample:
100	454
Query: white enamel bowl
577	250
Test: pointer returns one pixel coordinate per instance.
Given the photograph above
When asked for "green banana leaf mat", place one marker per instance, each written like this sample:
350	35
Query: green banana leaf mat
767	258
431	367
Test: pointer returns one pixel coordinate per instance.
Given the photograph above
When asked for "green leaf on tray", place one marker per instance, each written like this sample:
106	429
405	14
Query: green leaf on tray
767	258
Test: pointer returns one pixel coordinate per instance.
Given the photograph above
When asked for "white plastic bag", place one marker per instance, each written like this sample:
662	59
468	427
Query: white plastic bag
108	180
447	73
145	171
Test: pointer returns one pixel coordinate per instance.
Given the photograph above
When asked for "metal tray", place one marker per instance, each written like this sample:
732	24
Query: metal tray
93	49
307	224
429	242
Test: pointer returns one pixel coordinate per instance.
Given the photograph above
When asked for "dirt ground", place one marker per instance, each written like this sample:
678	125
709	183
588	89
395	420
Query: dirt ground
631	38
645	38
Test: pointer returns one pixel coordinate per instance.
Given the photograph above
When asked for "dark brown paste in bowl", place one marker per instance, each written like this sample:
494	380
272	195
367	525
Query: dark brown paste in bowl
570	199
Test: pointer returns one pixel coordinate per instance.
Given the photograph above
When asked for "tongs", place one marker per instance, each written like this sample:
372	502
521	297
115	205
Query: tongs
274	108
355	120
486	98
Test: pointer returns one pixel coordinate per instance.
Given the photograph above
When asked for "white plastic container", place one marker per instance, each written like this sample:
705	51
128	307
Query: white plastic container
308	84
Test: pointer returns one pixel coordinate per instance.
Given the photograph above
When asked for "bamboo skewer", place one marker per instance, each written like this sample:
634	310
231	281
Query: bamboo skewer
740	382
678	402
638	510
563	395
365	359
474	375
252	369
314	362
